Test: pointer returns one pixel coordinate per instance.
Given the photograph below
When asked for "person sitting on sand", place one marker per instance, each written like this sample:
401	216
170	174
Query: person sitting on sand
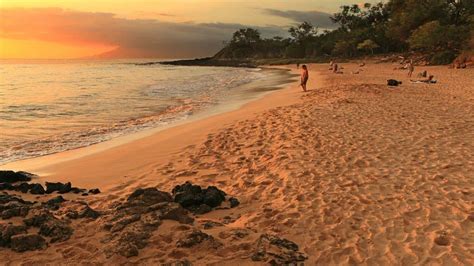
304	77
410	68
429	80
423	74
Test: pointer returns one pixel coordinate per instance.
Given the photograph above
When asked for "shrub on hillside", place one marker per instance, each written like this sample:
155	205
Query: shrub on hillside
443	58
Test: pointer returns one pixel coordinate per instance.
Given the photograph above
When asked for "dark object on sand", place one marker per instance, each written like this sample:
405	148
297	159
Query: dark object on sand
26	242
86	212
50	226
200	200
7	231
56	200
234	202
12	177
196	237
393	82
132	222
36	189
429	80
33	188
277	251
94	191
192	197
59	187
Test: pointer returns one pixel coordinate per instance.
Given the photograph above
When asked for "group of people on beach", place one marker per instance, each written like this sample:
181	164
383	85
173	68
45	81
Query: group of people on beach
425	78
335	68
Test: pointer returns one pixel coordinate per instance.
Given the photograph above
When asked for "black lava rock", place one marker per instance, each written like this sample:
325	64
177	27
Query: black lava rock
86	212
196	199
197	237
55	200
77	190
9	230
26	242
37	189
149	196
213	196
94	191
202	209
5	198
12	177
50	226
59	187
234	202
23	187
6	186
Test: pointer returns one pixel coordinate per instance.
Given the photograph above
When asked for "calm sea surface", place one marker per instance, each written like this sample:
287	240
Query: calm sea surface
48	107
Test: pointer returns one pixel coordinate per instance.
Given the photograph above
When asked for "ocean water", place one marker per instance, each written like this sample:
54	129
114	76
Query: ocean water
53	106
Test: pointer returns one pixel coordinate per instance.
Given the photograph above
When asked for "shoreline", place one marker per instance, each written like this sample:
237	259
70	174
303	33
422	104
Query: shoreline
236	98
47	166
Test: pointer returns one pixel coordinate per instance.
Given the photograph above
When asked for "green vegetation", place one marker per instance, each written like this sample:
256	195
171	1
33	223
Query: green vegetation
441	29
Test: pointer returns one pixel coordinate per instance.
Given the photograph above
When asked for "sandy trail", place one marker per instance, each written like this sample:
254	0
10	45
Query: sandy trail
353	172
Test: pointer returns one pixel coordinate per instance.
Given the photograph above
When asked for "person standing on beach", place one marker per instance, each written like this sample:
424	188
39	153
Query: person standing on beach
304	77
410	68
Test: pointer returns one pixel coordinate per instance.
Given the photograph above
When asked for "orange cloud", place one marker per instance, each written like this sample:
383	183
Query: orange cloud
133	37
34	49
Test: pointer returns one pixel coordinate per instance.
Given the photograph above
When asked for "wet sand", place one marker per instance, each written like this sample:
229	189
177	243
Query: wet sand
352	171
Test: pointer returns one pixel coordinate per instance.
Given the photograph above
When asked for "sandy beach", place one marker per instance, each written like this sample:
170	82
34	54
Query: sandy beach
353	172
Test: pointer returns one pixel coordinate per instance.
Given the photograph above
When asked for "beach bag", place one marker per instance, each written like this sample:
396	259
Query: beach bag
393	82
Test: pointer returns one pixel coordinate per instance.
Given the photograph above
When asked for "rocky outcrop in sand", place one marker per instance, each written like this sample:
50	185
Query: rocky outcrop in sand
45	216
132	222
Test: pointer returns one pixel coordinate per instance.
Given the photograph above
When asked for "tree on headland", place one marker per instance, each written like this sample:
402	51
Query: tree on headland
303	32
301	36
246	36
441	29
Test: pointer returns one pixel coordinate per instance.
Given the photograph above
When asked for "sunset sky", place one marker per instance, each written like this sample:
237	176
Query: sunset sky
144	28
